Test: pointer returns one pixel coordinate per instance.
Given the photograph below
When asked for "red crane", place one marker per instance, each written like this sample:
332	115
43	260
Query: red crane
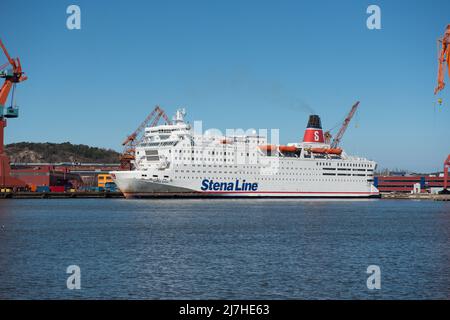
136	137
446	167
444	56
343	128
12	76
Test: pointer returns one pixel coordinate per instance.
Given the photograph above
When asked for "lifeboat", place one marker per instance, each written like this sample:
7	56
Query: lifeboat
226	141
288	148
268	147
336	151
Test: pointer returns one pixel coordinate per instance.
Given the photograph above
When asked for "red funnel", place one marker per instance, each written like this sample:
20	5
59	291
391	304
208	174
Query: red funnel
313	132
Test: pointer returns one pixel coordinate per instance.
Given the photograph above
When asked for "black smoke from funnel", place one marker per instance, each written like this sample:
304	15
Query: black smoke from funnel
241	79
301	106
286	100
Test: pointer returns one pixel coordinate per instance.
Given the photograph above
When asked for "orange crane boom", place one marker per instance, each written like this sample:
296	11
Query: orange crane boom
136	137
16	76
446	167
444	56
159	112
344	127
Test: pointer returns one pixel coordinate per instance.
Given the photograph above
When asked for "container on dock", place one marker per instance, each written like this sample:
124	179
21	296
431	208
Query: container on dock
42	189
57	189
110	187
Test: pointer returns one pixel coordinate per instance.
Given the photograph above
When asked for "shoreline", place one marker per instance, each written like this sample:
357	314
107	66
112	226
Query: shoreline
119	195
419	196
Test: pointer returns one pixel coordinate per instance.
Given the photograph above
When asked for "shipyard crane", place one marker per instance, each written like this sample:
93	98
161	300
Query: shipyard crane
130	143
13	74
446	168
443	56
343	128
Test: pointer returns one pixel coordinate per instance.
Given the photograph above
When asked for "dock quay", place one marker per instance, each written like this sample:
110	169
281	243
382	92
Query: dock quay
187	195
420	196
59	195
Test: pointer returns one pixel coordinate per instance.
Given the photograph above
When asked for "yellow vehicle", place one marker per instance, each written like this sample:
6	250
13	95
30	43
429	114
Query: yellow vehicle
102	179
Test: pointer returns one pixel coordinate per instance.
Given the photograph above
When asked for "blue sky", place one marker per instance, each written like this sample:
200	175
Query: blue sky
233	64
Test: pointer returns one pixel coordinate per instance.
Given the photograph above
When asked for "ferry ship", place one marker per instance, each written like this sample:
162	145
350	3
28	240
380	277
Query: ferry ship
173	160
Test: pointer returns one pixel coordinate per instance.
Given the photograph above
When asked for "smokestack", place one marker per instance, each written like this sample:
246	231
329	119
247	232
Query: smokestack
313	132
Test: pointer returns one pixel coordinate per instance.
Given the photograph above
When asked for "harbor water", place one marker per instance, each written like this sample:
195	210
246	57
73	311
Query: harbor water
224	249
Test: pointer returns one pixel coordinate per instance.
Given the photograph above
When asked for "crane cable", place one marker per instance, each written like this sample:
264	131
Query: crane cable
339	123
3	66
335	126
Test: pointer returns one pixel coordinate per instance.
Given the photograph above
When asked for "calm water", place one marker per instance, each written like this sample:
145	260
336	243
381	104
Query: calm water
231	249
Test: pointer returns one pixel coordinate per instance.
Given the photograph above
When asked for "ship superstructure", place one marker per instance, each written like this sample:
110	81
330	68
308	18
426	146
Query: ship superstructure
173	160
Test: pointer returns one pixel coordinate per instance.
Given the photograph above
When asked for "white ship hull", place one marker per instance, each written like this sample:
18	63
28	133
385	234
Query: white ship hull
133	186
172	161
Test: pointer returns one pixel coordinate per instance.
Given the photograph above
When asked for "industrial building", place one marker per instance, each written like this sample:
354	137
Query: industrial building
59	174
406	184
